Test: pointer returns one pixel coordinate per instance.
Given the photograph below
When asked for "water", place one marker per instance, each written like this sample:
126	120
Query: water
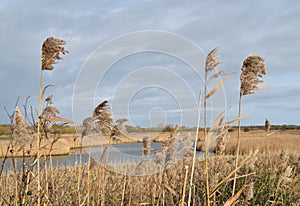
116	154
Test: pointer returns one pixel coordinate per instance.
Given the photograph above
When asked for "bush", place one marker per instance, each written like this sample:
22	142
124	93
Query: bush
168	128
231	130
5	130
246	129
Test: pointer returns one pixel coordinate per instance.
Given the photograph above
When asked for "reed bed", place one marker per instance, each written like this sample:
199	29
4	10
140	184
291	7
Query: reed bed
268	183
277	141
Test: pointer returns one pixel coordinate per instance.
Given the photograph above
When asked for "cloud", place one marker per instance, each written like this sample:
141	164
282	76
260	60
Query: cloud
268	28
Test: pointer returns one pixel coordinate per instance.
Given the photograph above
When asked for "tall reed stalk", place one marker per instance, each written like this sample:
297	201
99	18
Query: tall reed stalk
210	66
38	138
210	74
195	147
252	71
51	50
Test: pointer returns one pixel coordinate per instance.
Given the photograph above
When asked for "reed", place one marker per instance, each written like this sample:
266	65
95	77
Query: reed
52	49
210	73
195	147
146	146
273	183
267	125
253	69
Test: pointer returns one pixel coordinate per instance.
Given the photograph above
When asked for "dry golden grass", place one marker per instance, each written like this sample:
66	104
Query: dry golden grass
277	141
276	181
288	140
63	145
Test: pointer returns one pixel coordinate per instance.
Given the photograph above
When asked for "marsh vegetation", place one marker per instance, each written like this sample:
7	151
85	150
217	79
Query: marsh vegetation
238	167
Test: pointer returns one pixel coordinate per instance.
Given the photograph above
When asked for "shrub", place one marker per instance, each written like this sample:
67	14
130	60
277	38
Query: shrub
246	129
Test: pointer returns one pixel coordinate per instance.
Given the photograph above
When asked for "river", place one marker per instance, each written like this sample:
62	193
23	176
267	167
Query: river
121	153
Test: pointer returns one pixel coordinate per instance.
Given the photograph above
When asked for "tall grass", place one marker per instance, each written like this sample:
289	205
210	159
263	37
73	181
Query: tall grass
252	70
195	146
210	74
52	48
273	183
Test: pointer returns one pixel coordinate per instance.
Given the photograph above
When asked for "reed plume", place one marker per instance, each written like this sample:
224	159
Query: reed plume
211	63
104	118
210	66
267	125
222	139
89	126
52	48
48	116
119	127
20	134
253	69
49	99
146	145
100	122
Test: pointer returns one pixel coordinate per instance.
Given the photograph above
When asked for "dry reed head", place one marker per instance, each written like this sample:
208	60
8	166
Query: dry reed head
48	116
49	99
89	126
51	50
100	122
104	118
222	141
267	125
119	128
50	111
100	108
252	70
20	133
211	64
146	146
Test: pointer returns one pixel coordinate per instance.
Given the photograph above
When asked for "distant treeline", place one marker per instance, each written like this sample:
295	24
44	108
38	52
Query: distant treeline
66	129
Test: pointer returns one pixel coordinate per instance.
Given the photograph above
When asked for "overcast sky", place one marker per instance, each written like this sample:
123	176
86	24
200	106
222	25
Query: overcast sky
238	28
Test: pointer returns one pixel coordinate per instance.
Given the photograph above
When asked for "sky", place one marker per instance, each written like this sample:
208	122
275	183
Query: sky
146	57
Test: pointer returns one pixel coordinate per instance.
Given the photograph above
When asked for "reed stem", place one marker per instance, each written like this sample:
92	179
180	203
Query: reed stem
195	147
39	138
